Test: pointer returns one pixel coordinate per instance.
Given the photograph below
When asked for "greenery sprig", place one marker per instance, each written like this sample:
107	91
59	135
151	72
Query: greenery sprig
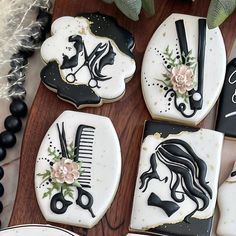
218	12
132	8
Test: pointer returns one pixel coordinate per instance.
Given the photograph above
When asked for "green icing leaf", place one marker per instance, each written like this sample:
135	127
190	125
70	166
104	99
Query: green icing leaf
55	186
219	11
53	153
67	190
131	8
71	151
45	175
149	7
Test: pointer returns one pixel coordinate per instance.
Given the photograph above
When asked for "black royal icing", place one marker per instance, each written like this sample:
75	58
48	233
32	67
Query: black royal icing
226	117
190	226
104	26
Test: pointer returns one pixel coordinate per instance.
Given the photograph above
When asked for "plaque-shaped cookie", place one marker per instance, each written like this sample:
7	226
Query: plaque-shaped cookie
226	118
226	203
77	169
36	230
177	180
180	79
88	59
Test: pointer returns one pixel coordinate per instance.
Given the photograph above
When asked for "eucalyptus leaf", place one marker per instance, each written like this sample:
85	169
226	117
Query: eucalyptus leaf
108	1
131	8
219	11
149	7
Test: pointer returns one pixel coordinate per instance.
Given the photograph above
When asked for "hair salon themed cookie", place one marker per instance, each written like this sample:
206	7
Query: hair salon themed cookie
78	169
35	230
88	59
227	107
180	79
227	206
177	180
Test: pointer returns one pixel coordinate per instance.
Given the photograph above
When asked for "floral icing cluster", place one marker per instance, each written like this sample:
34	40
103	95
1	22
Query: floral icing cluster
180	73
63	174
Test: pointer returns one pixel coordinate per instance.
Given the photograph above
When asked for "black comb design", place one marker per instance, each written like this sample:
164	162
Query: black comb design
83	153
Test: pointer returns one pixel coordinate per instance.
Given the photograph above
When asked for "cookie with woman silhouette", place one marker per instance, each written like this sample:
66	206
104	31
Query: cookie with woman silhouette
88	59
77	169
180	80
177	180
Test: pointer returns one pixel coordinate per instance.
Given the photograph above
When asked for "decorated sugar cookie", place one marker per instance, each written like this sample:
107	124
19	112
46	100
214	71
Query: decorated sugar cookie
227	107
35	230
88	59
77	169
178	67
177	180
226	203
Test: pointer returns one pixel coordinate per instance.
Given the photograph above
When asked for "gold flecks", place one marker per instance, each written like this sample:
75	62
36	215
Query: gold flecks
144	148
164	34
83	31
211	38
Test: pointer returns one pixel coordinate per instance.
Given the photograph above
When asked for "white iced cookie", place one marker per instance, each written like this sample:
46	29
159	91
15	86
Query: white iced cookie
35	230
227	206
77	169
178	67
88	58
177	180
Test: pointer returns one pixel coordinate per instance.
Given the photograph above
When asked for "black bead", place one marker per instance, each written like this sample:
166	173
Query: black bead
17	91
1	190
3	153
44	18
7	139
13	124
16	75
1	209
1	172
18	108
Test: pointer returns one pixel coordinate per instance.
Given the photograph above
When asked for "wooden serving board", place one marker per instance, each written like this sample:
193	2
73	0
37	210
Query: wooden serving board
127	115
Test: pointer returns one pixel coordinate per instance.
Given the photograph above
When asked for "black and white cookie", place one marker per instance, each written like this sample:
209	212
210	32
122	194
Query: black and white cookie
35	230
226	118
177	180
89	59
78	169
180	79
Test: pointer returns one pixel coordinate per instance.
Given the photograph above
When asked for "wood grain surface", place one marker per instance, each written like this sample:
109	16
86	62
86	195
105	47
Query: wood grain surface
127	115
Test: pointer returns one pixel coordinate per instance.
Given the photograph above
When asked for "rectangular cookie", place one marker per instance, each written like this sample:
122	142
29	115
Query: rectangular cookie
177	180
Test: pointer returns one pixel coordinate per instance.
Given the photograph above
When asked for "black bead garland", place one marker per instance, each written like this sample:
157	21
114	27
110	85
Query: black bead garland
13	124
17	92
3	153
18	108
7	139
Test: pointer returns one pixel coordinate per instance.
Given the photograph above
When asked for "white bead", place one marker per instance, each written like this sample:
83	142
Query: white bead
197	96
